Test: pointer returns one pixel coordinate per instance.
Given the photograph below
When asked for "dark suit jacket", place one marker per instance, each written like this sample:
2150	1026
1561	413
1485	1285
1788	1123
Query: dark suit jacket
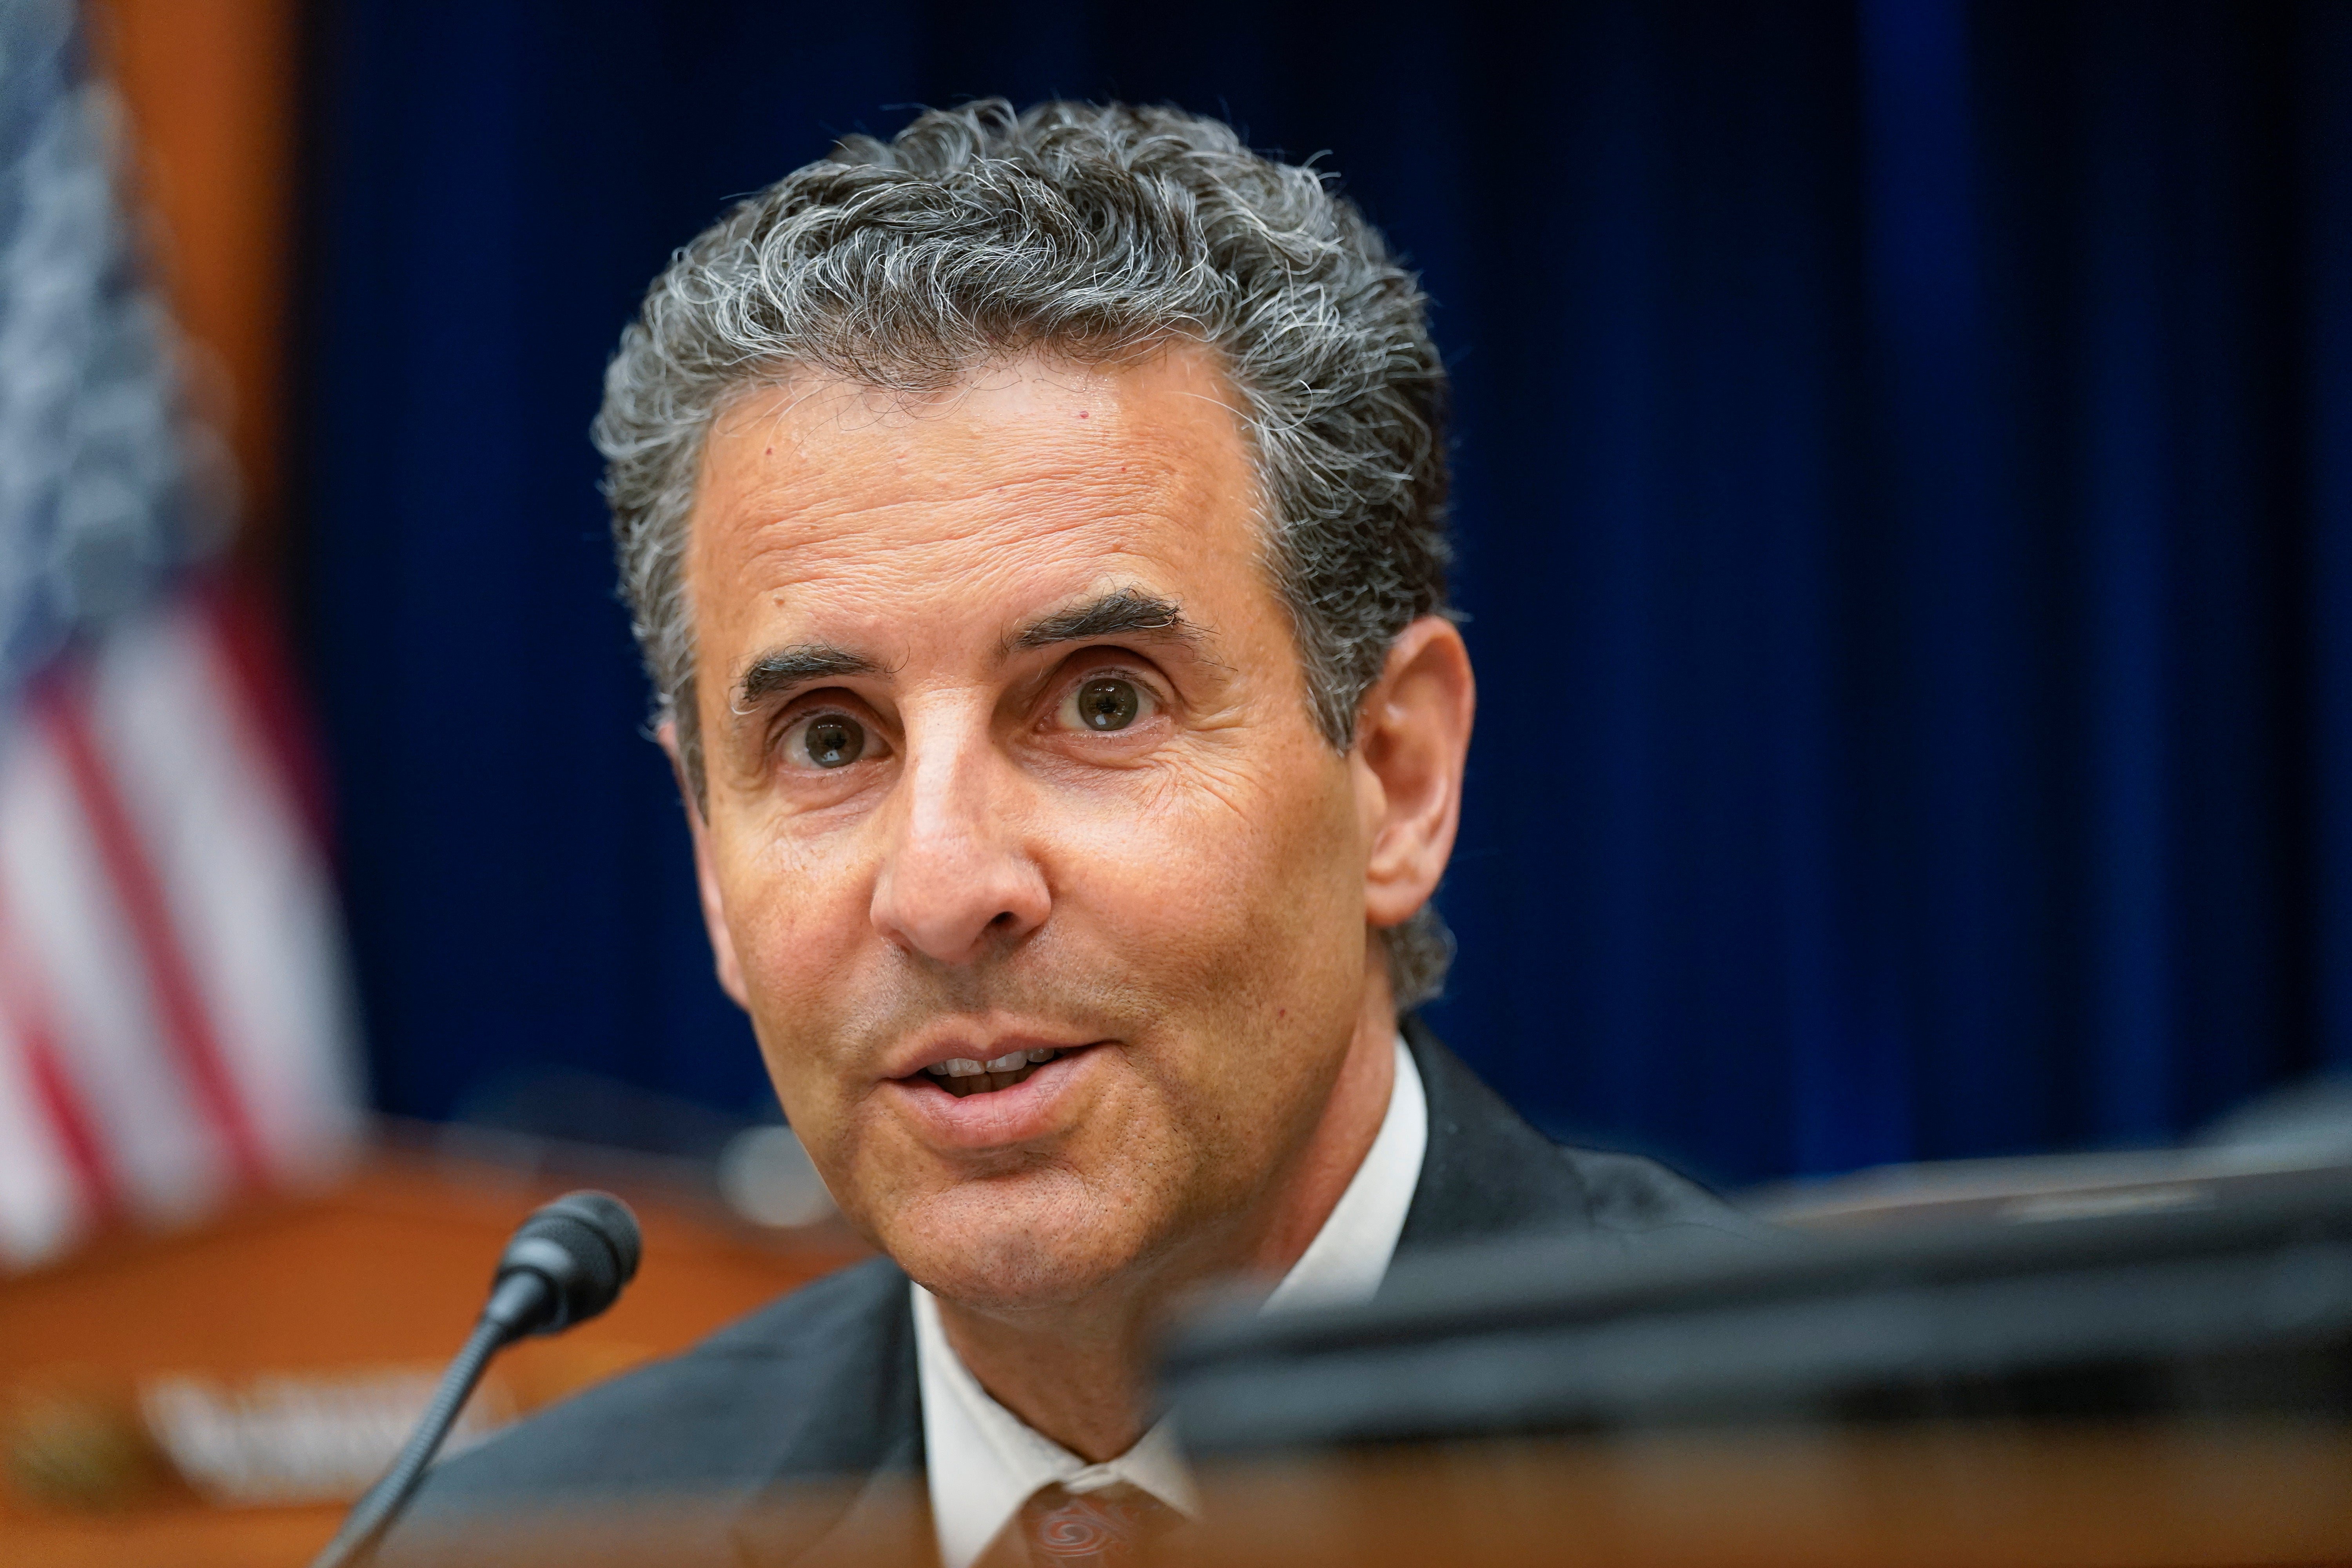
820	1386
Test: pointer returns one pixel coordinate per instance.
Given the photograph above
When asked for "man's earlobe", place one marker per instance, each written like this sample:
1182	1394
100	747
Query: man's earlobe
706	881
1413	739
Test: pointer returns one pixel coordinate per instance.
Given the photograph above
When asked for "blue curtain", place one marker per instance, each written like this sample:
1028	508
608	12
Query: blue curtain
1905	507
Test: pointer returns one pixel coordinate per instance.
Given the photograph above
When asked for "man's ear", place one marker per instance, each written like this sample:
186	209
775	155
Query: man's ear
1413	737
714	914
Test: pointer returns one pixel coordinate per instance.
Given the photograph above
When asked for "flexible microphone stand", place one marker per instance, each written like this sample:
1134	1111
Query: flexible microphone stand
566	1263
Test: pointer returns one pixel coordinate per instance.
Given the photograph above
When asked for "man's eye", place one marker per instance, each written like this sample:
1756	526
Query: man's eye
1105	703
832	740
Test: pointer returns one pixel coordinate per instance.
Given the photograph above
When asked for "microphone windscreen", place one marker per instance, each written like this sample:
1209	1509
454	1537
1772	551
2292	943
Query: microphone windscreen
610	1218
585	1246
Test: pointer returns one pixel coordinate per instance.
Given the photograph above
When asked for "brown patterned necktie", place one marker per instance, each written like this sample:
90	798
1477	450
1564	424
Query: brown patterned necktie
1104	1529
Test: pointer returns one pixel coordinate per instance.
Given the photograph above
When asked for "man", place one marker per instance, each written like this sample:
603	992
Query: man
1035	532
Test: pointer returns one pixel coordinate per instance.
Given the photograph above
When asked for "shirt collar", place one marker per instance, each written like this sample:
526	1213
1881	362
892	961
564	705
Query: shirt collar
984	1461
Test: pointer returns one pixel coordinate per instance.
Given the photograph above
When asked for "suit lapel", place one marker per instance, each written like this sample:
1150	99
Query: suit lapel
885	1519
1486	1171
848	1486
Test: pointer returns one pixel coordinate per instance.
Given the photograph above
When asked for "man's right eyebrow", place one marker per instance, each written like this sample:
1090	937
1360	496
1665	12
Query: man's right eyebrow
782	671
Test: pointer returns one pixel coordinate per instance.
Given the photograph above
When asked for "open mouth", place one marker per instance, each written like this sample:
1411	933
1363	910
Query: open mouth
962	1076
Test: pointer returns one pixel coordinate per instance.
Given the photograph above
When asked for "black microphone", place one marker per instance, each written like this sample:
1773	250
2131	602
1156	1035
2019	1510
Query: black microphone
566	1263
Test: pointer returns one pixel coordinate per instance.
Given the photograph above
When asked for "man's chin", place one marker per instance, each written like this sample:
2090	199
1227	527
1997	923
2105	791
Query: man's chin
996	1247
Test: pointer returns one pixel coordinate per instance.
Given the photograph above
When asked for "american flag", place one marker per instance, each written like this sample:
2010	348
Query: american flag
175	1023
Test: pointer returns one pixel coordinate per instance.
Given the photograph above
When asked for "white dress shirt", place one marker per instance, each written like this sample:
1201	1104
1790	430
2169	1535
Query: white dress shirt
985	1462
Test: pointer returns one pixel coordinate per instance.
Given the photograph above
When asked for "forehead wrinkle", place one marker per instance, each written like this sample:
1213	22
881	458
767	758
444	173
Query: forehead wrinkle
783	554
806	406
1044	502
817	584
1085	465
813	527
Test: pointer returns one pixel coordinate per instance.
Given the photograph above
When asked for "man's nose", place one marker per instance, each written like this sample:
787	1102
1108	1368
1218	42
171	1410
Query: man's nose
956	878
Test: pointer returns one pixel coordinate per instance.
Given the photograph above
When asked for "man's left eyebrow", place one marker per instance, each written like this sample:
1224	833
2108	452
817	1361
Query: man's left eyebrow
1124	613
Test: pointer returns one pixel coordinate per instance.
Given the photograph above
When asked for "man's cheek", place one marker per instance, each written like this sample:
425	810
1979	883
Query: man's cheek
792	937
1184	872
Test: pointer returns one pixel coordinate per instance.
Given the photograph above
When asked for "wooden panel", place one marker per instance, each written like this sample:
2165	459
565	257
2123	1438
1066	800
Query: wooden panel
2225	1495
1955	1495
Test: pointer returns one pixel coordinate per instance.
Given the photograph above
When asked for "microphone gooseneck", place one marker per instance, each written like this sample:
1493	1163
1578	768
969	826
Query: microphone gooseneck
566	1263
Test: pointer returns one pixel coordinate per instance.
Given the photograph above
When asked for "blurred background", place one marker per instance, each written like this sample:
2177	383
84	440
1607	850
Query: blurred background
1906	516
1905	506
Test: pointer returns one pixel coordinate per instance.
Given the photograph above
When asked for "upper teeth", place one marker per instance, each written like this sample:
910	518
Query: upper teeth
966	1067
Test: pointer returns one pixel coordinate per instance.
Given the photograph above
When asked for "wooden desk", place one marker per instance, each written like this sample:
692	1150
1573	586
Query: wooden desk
383	1273
2245	1494
1957	1495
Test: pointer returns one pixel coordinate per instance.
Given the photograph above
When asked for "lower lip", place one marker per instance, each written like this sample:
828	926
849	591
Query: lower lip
996	1120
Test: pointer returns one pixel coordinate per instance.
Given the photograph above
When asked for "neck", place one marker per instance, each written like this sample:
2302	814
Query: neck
1081	1373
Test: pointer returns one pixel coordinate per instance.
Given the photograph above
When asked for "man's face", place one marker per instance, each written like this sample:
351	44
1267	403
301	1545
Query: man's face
1009	753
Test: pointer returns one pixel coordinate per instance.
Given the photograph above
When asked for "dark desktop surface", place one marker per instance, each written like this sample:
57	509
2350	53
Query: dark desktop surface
2238	1304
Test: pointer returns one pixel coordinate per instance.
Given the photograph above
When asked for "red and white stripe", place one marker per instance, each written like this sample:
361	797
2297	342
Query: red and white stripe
175	1020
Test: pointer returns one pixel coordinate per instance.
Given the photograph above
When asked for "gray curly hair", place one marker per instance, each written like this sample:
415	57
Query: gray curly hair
1095	232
